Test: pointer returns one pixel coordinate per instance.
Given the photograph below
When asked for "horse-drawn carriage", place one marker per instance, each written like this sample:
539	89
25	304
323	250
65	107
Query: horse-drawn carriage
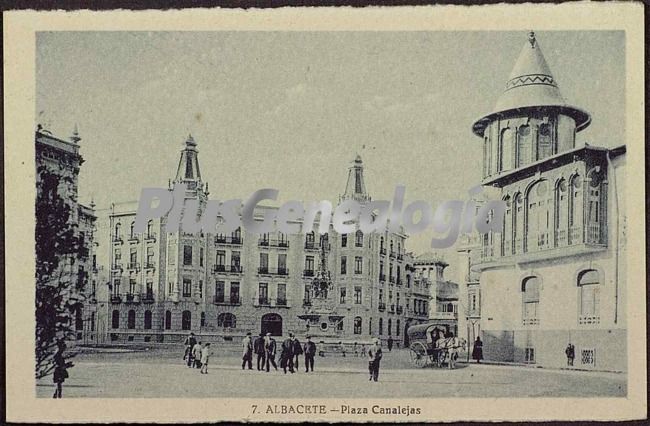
431	345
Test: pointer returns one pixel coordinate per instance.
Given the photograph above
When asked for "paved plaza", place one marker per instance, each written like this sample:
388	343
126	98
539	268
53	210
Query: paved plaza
162	373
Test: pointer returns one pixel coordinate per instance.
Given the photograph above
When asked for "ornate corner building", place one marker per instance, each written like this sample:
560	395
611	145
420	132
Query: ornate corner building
158	286
556	273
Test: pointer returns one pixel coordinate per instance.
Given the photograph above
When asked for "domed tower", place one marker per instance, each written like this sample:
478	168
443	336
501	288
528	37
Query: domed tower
531	120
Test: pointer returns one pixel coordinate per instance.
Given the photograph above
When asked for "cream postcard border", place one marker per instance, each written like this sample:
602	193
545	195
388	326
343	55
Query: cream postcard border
19	89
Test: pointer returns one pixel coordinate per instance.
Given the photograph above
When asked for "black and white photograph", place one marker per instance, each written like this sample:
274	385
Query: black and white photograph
305	218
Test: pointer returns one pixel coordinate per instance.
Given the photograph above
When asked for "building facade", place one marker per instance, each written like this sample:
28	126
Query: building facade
61	157
161	285
556	273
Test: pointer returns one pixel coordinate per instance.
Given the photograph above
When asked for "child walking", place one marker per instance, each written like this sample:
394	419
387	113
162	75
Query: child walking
205	356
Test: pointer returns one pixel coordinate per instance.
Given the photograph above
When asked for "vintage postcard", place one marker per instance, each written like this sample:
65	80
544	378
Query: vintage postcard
412	214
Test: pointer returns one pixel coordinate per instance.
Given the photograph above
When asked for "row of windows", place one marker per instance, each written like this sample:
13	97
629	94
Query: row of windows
588	282
358	326
132	234
133	257
224	320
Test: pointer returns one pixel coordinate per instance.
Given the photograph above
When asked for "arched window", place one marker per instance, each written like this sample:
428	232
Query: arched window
595	203
132	230
381	244
575	211
358	239
589	285
78	321
544	141
518	224
115	319
561	213
397	327
539	215
381	326
226	320
131	320
168	320
390	326
507	149
118	230
150	228
147	320
506	234
202	319
523	145
530	292
236	235
186	321
357	325
450	307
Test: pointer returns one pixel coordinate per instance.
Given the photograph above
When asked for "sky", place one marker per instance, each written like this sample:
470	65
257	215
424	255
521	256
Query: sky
290	110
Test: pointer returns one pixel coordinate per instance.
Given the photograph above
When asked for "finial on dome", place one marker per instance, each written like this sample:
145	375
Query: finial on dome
531	38
75	134
190	140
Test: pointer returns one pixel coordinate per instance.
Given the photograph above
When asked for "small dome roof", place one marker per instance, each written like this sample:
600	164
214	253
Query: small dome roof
532	85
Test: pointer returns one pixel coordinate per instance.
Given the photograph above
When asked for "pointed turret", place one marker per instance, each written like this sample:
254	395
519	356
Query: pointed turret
188	167
355	189
531	86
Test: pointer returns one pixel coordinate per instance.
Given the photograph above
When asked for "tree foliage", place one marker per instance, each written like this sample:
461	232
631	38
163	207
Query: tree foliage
59	249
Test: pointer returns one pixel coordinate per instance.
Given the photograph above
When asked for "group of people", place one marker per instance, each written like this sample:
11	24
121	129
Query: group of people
265	348
197	354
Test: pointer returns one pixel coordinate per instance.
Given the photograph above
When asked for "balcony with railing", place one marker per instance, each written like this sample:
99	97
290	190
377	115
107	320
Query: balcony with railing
391	279
223	240
400	256
391	309
382	277
399	281
131	297
133	238
147	297
589	320
227	269
220	299
117	239
439	315
392	254
308	273
381	307
312	245
264	270
278	243
133	266
151	236
400	310
116	267
306	302
382	250
116	298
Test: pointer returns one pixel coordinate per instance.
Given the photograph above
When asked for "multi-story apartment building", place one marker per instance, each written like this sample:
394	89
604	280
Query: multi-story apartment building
443	294
61	157
556	273
161	285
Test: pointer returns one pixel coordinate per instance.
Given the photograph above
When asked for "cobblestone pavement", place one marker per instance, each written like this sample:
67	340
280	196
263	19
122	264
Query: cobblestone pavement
161	374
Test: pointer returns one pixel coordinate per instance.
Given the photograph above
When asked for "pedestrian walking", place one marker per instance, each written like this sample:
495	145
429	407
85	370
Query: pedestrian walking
570	352
356	351
260	352
196	354
286	357
477	352
363	350
452	345
297	351
190	341
390	343
374	358
310	353
60	369
205	357
247	356
271	346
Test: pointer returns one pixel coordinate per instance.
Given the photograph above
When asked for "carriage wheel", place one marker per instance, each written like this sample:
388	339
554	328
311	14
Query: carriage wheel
419	354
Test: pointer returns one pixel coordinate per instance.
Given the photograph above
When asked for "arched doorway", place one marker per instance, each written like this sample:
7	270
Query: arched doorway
406	334
272	323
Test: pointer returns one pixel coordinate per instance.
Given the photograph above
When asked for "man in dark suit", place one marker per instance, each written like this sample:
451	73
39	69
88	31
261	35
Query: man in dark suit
260	351
310	353
297	351
270	346
286	357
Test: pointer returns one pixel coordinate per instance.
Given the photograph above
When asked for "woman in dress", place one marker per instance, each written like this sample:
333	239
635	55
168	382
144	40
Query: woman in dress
477	352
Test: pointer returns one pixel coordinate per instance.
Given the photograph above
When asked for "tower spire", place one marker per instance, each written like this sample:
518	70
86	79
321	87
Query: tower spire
188	171
355	188
75	134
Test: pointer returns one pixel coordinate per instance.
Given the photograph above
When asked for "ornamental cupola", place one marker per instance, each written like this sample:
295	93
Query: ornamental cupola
188	171
355	188
531	119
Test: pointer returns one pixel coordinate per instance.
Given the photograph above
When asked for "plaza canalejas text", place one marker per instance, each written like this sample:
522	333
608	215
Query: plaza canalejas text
450	218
